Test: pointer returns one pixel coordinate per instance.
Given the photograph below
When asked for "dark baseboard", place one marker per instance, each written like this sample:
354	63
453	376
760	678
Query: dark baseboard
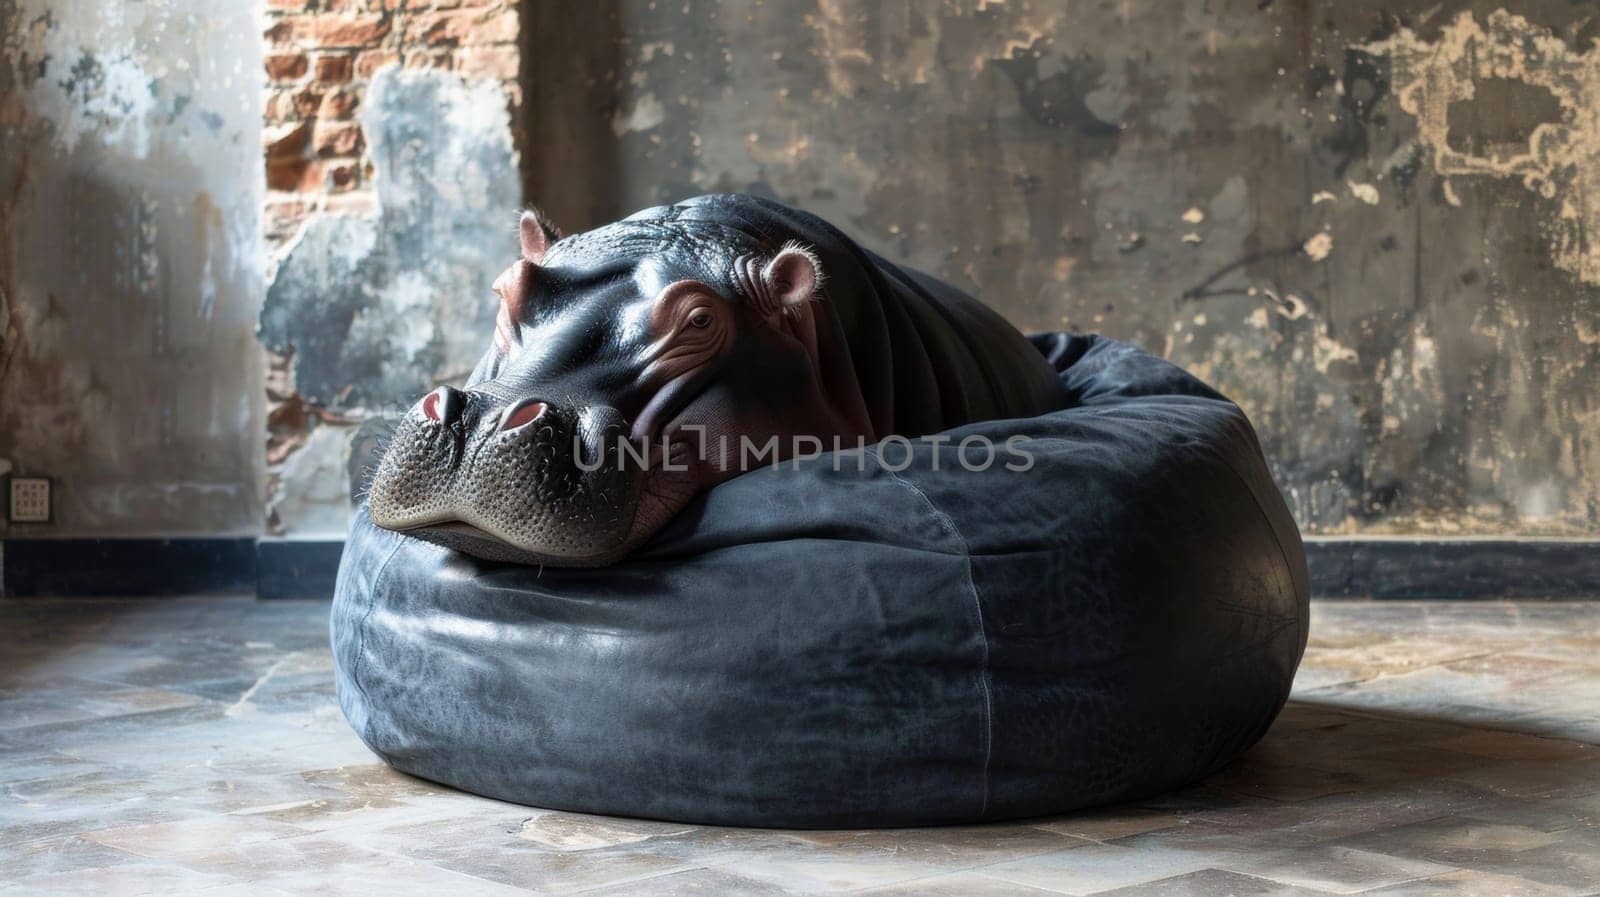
289	568
124	568
296	568
1454	568
139	568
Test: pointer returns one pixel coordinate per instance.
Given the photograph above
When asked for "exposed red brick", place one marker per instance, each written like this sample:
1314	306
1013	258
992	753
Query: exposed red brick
288	5
369	61
311	179
343	176
334	69
283	30
279	106
339	104
489	62
501	27
286	174
338	139
434	59
286	141
462	26
285	66
284	105
348	31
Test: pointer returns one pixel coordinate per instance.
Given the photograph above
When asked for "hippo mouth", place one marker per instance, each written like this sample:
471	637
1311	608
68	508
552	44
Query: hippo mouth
480	543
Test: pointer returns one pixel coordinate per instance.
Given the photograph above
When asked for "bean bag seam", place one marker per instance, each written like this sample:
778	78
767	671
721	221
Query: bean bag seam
1277	538
983	632
1300	622
361	631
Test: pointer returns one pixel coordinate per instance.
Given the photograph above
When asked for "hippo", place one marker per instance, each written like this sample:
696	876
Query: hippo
632	364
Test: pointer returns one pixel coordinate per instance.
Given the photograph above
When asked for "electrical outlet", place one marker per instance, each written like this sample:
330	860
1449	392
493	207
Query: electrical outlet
30	500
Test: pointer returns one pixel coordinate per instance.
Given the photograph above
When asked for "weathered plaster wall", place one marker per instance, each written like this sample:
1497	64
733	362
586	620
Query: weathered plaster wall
130	194
1368	221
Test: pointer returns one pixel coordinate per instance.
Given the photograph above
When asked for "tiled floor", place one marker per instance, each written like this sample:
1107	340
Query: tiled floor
193	747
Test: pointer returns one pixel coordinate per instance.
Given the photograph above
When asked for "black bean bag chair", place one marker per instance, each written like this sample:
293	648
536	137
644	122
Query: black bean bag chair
830	647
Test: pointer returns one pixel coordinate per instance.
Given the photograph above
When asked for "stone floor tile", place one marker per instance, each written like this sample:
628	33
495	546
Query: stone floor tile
386	876
250	889
1572	862
1338	816
1206	795
101	800
1112	823
1534	778
1338	870
1518	746
694	883
372	780
1277	778
826	862
1550	815
145	879
71	699
1097	867
1212	883
976	845
489	845
958	884
1456	842
1478	700
1471	883
187	838
338	812
54	856
577	831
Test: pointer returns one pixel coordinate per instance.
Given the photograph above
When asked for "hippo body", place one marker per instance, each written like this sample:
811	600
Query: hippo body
654	340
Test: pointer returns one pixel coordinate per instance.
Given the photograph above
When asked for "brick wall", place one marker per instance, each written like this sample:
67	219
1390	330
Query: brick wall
320	56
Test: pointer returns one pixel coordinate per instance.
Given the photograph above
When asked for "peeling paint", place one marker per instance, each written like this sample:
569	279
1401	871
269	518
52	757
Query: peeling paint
1367	193
645	113
1318	246
1558	160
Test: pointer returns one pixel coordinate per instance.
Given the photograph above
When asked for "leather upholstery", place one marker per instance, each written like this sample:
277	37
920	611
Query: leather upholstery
816	647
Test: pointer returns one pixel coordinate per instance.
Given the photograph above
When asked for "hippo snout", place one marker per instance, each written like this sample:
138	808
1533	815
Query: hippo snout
524	479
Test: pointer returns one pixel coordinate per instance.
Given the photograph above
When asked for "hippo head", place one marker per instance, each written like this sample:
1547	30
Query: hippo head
629	366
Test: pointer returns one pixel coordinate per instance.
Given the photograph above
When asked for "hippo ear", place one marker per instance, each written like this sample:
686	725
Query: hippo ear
537	234
793	277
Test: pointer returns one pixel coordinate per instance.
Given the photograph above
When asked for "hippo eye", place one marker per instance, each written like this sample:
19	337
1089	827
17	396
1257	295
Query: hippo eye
701	318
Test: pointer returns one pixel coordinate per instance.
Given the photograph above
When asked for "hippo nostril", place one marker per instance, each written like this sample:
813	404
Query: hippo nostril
522	415
442	405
